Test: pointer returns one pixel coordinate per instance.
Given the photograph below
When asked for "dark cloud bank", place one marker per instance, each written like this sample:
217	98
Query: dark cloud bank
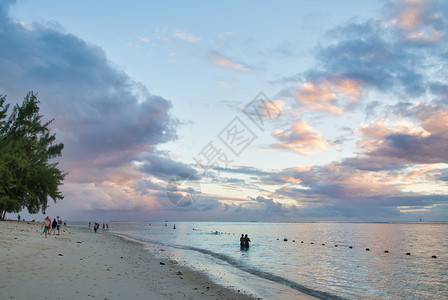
107	121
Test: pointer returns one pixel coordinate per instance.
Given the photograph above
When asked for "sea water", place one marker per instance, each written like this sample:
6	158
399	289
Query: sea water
327	260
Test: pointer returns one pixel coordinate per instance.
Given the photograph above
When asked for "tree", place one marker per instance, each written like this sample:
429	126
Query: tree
28	173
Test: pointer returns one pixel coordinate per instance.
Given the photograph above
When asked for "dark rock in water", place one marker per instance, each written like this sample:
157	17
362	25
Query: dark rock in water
162	263
285	239
367	249
335	245
434	256
408	253
302	242
385	251
60	254
351	247
323	244
312	243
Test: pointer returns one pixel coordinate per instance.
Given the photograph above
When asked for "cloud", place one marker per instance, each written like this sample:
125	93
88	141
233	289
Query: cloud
163	167
225	62
387	54
340	191
393	65
410	16
364	53
110	124
301	138
329	95
186	36
271	207
398	169
420	22
391	69
391	145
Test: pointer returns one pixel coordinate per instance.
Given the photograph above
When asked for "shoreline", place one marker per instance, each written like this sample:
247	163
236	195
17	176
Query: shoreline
79	264
264	288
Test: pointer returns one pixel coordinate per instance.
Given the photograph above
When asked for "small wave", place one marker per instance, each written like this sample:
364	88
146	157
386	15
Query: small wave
262	274
241	266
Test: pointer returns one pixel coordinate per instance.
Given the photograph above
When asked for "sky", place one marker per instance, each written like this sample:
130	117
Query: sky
238	110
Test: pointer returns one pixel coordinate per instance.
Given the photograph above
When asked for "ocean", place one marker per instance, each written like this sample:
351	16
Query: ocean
326	260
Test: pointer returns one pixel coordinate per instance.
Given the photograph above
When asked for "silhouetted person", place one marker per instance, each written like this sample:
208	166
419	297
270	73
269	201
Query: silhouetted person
246	241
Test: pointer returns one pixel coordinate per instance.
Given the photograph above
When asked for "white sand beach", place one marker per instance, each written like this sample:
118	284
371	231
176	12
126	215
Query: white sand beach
79	264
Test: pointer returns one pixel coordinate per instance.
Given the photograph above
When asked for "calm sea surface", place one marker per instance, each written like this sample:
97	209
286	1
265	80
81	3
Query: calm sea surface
316	259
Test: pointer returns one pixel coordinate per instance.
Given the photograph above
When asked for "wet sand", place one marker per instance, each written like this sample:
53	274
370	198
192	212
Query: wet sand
79	264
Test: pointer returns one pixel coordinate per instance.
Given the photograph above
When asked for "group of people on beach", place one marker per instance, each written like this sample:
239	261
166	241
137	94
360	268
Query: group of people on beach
96	226
51	226
244	241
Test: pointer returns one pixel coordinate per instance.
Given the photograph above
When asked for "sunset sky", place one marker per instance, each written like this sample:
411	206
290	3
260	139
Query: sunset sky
258	110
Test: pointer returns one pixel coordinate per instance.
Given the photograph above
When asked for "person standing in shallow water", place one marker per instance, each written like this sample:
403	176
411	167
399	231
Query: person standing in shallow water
242	241
246	241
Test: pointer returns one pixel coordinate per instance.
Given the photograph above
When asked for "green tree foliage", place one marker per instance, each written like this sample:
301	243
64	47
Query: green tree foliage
29	176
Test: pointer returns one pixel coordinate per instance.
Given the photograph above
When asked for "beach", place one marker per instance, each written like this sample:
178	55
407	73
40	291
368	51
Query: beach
203	260
329	260
80	264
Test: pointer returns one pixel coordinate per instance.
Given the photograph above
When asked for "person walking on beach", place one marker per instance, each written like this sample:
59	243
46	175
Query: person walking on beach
46	224
246	241
53	226
58	224
18	217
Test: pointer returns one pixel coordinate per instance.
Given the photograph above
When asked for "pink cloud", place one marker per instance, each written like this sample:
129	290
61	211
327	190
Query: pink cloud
412	15
226	62
301	138
435	120
416	21
427	37
372	135
331	96
388	145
